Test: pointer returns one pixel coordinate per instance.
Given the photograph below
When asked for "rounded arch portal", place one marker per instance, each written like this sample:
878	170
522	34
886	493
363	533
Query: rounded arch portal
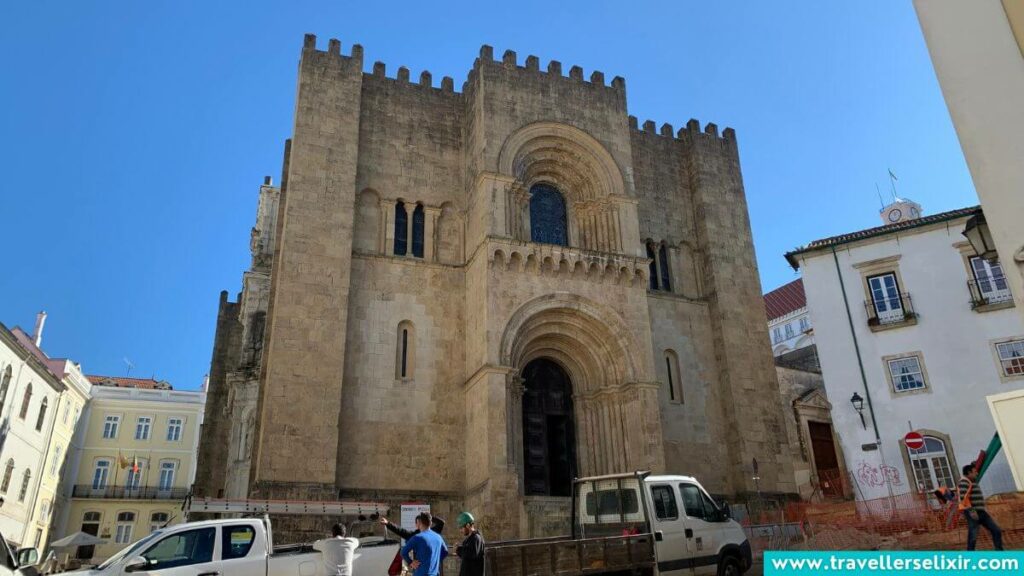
549	437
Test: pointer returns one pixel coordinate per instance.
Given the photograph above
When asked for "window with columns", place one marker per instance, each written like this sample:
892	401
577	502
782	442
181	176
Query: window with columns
410	233
660	273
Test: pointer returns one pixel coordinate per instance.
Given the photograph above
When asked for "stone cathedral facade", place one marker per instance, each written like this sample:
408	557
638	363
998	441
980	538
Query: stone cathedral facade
471	297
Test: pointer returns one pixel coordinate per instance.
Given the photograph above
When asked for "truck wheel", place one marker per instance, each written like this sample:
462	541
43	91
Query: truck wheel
729	566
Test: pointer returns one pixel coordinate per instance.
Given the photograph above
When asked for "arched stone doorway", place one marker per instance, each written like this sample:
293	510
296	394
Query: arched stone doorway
549	439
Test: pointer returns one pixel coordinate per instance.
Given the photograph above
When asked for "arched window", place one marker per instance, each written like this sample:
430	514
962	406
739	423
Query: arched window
5	383
666	283
25	479
401	229
57	462
405	360
931	465
42	414
548	215
417	231
8	472
157	520
25	401
675	385
653	268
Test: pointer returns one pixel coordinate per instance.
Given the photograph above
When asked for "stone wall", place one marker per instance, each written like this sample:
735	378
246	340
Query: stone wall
335	418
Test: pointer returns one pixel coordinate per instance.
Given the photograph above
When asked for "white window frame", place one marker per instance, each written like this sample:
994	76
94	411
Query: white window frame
143	427
172	469
56	458
789	330
133	480
155	525
123	534
111	426
924	462
777	335
175	428
902	362
105	466
990	275
1010	354
805	324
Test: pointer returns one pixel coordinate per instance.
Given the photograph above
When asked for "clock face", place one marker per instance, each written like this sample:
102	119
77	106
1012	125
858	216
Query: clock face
895	214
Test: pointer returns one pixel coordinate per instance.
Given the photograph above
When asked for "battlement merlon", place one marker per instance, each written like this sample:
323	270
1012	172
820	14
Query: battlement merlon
333	49
509	60
690	131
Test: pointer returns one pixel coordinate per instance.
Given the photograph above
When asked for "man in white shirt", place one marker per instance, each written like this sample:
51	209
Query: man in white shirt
337	551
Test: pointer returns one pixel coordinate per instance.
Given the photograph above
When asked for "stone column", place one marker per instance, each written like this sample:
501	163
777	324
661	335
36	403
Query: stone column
387	234
431	214
410	210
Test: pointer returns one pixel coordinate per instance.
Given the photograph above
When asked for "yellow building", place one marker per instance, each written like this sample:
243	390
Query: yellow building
134	463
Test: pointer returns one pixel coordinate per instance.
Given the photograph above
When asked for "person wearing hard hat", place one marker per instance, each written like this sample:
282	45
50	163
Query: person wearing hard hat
471	550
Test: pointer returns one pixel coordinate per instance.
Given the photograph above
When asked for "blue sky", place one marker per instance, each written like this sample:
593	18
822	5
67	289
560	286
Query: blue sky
135	134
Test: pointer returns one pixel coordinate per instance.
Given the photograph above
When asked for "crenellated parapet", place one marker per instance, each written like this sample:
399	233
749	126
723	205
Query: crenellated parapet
690	132
554	69
568	262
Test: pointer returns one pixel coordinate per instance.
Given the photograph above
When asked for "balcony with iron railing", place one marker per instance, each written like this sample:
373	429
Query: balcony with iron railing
124	493
890	312
989	293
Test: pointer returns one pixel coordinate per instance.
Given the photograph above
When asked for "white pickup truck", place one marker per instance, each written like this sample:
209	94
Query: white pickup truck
233	547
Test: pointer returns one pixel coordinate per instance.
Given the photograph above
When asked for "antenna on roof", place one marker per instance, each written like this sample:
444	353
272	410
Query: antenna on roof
892	182
880	201
128	372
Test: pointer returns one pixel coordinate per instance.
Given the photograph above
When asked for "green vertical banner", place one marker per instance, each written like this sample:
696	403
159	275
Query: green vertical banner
990	454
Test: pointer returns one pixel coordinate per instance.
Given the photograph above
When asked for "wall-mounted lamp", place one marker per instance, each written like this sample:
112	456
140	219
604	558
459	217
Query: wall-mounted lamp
980	237
858	405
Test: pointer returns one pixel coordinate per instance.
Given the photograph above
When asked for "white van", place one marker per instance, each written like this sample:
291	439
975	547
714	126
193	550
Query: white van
634	523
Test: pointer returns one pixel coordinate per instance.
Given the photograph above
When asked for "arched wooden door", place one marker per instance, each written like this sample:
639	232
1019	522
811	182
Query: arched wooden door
549	443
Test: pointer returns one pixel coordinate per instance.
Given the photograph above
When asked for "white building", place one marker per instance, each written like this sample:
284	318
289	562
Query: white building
977	48
789	323
29	395
912	323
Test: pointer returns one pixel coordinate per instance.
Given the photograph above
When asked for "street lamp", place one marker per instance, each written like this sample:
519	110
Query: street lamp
980	237
858	405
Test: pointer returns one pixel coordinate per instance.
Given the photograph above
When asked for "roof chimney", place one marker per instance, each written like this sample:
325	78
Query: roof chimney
40	321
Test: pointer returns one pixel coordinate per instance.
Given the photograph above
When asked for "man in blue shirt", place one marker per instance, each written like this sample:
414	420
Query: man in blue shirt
427	547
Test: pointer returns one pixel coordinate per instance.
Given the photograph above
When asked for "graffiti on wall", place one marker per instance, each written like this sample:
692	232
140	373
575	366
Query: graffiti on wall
870	475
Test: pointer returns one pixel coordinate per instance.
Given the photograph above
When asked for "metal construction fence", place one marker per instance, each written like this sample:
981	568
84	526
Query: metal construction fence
899	522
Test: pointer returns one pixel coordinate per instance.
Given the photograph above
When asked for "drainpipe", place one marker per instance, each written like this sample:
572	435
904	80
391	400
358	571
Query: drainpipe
856	347
863	378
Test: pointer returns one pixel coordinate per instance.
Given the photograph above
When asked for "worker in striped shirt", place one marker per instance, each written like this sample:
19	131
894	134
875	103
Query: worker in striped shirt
973	504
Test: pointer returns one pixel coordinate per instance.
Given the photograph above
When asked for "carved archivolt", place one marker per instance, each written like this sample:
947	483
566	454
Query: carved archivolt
575	163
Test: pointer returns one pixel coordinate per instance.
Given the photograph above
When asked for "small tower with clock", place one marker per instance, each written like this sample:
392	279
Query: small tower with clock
901	210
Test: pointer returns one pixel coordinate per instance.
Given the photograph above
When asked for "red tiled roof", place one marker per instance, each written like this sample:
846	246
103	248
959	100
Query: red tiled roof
124	382
880	231
785	299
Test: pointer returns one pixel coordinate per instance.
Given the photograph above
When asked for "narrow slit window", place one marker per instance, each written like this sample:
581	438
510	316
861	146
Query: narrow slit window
405	352
671	383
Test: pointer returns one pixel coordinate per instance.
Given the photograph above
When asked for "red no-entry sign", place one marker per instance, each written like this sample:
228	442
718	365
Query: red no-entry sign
914	441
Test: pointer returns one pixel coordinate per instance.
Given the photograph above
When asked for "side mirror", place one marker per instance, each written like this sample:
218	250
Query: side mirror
136	564
726	511
28	556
